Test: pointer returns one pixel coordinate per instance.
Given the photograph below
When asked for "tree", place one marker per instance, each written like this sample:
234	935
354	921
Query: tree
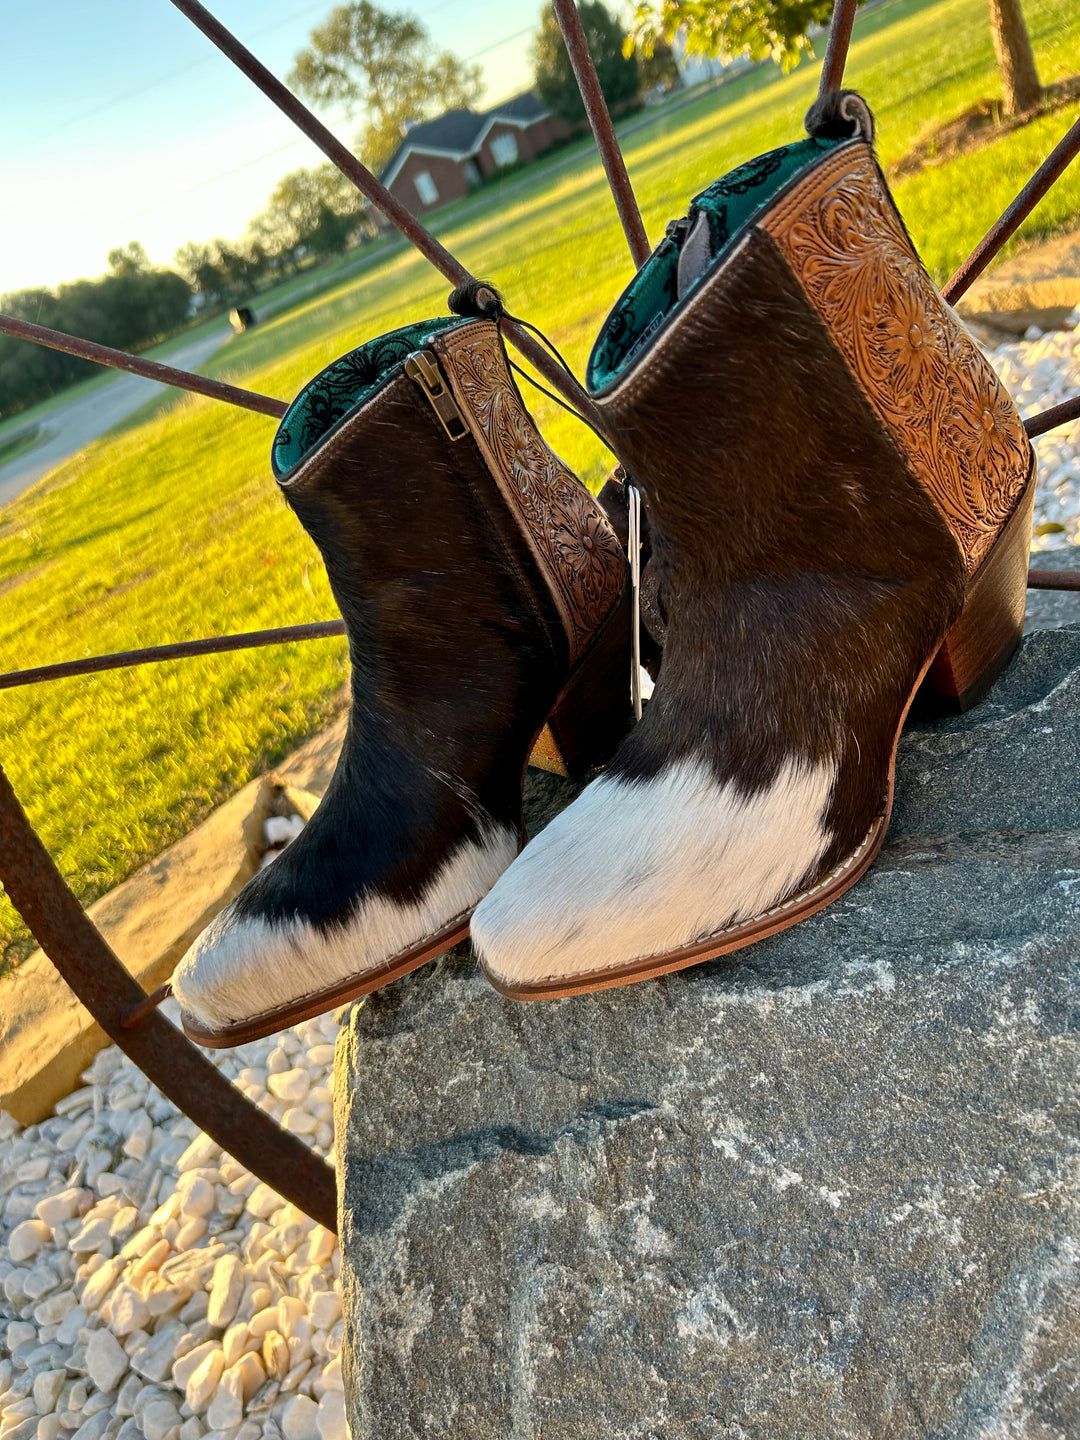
383	63
310	212
1019	78
659	70
199	264
131	259
318	209
763	29
617	72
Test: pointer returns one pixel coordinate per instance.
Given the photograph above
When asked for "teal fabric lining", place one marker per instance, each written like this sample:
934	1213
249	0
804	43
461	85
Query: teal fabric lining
336	391
731	203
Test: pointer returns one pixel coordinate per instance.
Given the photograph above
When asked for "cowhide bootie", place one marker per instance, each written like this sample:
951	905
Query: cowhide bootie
485	599
839	494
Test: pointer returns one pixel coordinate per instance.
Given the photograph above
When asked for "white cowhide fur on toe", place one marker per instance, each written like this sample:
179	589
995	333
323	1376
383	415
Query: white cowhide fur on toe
637	868
245	966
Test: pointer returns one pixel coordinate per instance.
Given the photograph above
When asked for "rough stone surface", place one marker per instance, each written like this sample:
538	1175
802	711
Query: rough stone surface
826	1187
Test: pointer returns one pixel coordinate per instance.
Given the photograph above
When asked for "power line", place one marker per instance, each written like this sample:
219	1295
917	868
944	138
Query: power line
160	80
495	44
203	184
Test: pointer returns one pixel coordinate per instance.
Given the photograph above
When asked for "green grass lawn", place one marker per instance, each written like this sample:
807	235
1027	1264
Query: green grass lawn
173	528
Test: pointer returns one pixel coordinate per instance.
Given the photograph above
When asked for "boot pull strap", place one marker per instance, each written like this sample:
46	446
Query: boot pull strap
477	299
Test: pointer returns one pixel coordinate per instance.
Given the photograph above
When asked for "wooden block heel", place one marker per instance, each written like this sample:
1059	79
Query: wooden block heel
984	639
592	713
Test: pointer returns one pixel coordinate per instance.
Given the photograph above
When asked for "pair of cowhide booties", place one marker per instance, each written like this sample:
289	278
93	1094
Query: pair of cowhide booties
838	493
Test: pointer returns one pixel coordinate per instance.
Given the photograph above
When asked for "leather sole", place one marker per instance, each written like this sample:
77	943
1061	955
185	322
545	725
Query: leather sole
320	1001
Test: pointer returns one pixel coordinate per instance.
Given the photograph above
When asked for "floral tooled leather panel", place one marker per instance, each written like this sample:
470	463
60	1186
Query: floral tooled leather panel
577	551
933	389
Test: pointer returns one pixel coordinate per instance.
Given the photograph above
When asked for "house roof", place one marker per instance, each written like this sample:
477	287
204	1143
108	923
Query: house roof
455	131
460	133
524	107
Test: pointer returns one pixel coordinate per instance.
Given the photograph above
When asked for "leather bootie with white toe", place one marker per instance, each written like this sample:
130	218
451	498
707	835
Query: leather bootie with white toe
839	493
486	604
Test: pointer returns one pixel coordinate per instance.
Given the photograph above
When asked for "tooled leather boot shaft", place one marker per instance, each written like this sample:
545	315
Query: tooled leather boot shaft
568	533
931	387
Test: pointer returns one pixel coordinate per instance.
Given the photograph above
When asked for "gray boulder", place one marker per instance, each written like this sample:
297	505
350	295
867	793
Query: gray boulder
827	1187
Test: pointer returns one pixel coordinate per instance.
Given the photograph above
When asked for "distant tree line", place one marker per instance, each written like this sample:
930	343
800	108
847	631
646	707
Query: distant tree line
311	215
129	308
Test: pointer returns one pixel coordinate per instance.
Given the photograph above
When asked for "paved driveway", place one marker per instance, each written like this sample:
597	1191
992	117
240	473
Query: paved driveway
79	421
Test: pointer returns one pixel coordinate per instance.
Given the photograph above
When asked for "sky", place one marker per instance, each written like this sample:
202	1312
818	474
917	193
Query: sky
120	121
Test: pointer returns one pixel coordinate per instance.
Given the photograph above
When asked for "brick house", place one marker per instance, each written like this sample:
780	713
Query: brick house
442	159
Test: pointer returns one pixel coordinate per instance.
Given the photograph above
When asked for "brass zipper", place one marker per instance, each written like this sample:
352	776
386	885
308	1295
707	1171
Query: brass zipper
422	368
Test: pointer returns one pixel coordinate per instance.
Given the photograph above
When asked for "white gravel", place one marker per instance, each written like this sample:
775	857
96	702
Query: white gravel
150	1286
1038	372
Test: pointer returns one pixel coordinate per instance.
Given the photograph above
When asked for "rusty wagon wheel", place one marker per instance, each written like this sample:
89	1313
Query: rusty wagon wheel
61	927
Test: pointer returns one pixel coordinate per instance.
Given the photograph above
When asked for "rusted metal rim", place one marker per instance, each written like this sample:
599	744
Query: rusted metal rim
80	953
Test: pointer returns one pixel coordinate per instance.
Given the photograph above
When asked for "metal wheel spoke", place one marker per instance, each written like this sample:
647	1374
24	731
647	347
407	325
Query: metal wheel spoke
177	650
592	95
1053	580
832	71
137	365
1063	153
1053	417
417	234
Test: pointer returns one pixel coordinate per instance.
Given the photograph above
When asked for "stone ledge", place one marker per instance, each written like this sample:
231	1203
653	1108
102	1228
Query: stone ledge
826	1187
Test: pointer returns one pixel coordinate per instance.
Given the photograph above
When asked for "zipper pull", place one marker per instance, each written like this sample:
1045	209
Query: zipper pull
422	369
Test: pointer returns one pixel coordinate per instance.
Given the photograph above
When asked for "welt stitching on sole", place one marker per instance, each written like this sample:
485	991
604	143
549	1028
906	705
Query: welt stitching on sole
798	899
357	975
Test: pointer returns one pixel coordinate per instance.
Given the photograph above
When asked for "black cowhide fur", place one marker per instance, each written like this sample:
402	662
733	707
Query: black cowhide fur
806	576
457	653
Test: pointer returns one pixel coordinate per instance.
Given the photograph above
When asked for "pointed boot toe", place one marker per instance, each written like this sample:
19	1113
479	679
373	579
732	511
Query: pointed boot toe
839	494
636	871
485	601
276	955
